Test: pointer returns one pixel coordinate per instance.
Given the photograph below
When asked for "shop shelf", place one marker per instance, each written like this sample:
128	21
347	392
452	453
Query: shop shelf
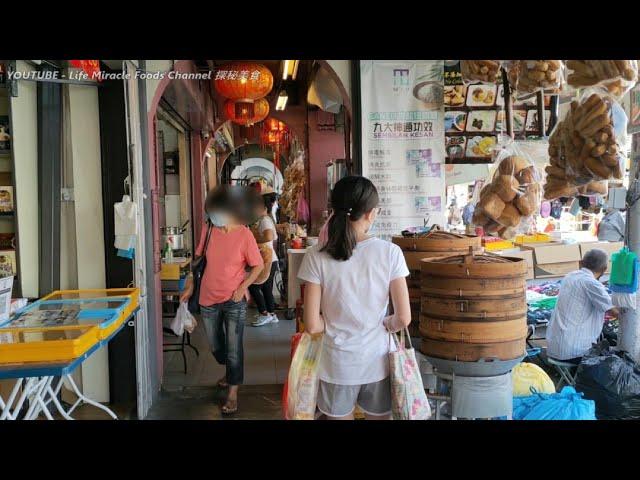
20	345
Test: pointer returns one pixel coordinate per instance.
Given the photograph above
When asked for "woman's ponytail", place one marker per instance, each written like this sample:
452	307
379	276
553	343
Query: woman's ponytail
351	198
342	236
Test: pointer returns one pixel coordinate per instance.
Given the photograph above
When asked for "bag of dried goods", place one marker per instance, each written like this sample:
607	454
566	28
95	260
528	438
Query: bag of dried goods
480	70
512	195
530	76
587	146
617	76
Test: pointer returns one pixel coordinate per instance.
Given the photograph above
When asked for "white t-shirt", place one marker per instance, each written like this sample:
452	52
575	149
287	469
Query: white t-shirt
264	224
355	298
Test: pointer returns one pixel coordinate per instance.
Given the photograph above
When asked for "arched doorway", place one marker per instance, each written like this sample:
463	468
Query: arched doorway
257	168
205	155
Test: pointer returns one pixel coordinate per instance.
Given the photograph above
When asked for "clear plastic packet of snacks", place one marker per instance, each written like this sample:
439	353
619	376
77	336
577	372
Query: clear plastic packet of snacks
487	71
513	194
530	76
616	76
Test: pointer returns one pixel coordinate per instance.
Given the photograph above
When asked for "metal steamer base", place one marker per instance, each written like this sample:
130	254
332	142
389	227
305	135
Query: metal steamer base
476	397
472	390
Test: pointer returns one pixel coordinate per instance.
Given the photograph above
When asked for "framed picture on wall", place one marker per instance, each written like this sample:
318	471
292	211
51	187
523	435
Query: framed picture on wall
5	134
6	199
7	262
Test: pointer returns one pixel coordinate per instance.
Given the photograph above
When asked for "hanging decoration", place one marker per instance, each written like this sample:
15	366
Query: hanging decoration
276	135
90	67
244	83
260	110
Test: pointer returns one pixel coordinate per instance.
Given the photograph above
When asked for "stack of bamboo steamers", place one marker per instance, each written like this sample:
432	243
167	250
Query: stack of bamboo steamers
467	306
436	243
473	307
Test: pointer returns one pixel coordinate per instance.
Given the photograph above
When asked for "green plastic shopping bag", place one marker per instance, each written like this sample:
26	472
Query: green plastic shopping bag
622	264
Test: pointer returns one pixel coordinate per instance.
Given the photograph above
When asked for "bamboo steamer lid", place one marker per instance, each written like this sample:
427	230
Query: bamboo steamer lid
438	240
474	266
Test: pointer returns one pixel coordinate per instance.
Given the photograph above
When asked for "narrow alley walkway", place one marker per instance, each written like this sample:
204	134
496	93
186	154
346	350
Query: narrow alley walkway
195	396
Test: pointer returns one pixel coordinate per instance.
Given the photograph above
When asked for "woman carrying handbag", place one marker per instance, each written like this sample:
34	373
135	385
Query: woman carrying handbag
350	279
227	247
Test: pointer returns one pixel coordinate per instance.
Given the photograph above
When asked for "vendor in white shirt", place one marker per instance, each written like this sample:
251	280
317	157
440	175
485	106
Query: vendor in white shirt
576	322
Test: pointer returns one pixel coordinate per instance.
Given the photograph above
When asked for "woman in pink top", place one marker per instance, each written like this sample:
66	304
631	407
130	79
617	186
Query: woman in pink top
231	248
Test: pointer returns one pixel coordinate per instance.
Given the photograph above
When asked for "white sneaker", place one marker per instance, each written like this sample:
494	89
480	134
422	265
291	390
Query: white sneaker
261	320
274	318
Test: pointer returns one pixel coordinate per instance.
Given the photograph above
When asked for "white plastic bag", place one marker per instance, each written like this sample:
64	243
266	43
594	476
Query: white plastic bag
183	320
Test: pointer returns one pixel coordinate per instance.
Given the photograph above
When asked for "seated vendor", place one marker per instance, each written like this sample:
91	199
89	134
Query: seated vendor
577	320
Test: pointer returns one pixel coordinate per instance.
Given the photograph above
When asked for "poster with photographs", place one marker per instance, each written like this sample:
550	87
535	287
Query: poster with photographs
403	141
6	199
5	134
474	117
8	264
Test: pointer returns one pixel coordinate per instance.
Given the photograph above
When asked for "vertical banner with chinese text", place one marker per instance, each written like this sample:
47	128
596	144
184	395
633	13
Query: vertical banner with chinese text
403	150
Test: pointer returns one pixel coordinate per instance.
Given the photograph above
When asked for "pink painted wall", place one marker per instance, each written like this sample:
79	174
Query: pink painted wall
324	146
193	101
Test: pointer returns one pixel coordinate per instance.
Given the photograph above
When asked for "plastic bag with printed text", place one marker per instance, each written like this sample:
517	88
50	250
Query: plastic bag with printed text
531	76
507	202
487	71
616	76
303	380
586	148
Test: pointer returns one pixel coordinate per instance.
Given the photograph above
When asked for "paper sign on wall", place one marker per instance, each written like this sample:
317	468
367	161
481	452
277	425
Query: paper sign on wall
403	141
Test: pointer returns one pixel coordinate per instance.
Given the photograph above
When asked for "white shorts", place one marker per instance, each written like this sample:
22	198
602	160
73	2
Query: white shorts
341	400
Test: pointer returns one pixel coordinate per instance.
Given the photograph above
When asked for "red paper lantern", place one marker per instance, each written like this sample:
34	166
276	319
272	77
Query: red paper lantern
90	67
244	82
238	113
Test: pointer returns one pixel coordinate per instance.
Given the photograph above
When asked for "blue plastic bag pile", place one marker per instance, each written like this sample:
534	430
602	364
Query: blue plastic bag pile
566	405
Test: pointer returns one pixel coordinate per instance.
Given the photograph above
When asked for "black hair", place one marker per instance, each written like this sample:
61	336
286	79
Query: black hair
269	199
351	198
235	200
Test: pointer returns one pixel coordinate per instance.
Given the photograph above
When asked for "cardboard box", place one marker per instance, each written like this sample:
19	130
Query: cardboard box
527	255
554	260
609	247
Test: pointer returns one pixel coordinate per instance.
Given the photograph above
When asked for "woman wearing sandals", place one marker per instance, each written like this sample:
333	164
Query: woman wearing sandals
349	279
229	250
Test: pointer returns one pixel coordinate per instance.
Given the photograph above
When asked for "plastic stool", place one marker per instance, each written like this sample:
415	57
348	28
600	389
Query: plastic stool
564	369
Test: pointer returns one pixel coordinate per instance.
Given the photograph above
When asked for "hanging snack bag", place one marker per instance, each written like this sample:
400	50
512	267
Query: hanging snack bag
487	71
617	76
530	76
513	194
587	146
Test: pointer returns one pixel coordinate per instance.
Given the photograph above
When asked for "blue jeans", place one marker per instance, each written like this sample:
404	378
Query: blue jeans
224	324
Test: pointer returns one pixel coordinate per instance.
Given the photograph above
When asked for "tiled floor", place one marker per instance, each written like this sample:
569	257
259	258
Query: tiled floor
194	396
266	357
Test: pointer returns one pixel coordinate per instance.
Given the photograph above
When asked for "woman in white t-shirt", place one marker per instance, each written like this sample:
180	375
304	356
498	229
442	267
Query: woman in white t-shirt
265	232
349	279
